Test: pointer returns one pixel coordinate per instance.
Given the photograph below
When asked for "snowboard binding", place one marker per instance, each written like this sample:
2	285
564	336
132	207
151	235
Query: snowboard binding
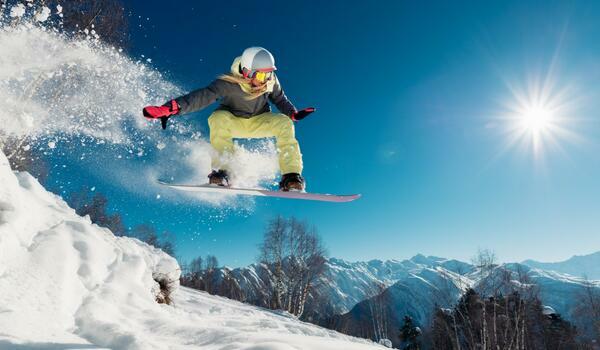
292	182
218	178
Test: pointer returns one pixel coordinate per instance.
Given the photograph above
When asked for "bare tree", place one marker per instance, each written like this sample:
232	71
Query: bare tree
208	277
211	262
378	303
193	275
485	262
306	262
272	252
295	254
196	266
586	314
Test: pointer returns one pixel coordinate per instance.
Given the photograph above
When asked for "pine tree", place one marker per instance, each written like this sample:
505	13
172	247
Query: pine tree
409	335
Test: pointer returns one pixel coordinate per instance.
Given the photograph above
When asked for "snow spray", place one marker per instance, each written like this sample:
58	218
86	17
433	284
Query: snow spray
75	96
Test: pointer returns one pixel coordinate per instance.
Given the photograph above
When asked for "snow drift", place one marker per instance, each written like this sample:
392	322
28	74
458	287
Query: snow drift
67	283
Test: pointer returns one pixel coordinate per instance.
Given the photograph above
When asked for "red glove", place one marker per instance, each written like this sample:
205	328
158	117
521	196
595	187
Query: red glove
163	112
301	114
168	109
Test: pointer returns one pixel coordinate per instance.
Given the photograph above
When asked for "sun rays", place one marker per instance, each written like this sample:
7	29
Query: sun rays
539	117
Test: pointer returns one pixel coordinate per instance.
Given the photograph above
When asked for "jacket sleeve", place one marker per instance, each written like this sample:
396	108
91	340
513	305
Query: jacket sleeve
280	100
198	99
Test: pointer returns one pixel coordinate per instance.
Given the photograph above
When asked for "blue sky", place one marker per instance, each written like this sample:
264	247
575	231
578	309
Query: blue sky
412	102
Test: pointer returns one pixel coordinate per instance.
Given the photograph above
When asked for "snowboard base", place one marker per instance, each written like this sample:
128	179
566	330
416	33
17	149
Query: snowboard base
206	188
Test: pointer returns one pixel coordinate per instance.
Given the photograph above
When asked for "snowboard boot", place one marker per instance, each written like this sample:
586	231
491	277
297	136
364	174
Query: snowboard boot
292	182
219	178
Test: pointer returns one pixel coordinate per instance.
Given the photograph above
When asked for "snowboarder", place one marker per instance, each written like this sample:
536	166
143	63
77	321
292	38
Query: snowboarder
245	112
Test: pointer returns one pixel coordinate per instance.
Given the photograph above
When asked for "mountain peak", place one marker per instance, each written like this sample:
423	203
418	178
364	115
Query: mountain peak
426	260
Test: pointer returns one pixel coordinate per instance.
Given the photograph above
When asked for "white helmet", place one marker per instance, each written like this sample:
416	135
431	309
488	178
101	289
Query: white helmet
256	59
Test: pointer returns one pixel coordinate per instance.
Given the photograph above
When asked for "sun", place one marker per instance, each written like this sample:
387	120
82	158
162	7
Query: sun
539	116
536	119
535	123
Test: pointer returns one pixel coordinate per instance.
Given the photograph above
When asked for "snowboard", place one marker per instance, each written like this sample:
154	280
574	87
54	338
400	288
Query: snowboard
206	188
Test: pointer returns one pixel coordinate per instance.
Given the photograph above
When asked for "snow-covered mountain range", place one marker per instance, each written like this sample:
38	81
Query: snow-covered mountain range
413	286
347	283
66	283
579	265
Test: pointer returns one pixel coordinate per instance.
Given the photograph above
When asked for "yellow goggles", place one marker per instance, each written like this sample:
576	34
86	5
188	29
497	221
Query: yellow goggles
262	76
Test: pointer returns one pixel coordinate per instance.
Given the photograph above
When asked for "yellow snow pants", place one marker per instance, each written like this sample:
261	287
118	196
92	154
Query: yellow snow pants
224	127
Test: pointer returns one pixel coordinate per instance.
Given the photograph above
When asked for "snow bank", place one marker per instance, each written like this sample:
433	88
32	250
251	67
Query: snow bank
59	272
67	283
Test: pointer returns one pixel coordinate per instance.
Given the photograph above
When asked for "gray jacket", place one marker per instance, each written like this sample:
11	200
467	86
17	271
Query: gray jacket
232	98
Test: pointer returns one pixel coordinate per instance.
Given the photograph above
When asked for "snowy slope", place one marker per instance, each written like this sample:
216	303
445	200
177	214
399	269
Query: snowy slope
66	283
226	324
578	265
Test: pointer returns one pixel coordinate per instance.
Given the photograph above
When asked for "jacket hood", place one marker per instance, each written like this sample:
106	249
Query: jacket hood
235	67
